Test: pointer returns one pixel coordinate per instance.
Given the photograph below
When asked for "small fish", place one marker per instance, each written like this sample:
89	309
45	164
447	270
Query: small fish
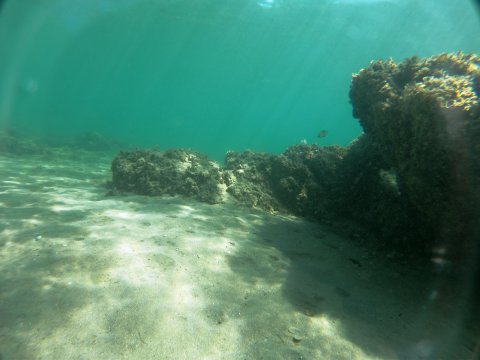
355	262
322	134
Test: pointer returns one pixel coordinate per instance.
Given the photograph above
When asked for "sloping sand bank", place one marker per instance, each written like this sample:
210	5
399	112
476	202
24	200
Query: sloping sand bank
85	276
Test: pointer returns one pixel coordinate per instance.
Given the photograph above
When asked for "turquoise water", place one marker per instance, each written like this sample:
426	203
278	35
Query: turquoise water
209	75
322	253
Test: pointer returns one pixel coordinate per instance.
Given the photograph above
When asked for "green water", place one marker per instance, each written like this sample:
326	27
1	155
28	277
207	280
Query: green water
209	75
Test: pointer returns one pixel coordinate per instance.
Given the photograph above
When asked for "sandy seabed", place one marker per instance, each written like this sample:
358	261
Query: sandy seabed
87	276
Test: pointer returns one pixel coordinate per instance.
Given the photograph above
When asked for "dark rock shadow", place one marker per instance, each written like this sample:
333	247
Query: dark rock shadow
385	309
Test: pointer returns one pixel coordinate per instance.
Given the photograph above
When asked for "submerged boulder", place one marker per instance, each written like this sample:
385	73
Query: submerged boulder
367	192
173	172
422	118
248	176
298	181
304	179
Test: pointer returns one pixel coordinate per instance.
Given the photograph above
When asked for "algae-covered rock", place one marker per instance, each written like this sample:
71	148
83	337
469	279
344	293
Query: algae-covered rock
367	192
173	172
422	117
299	181
248	181
14	143
304	178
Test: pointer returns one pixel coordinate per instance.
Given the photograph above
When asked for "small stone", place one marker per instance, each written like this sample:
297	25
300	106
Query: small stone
297	338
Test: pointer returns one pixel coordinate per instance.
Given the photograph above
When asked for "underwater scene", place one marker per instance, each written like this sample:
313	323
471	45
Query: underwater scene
239	179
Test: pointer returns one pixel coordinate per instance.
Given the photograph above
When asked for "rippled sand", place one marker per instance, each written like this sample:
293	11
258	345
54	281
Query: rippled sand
86	276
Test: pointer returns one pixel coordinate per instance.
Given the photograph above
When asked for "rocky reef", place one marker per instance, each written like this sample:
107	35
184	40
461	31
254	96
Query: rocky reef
299	181
14	143
409	186
18	142
173	172
422	119
247	176
367	192
412	179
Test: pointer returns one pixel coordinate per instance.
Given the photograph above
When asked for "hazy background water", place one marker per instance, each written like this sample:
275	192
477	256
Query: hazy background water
211	75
